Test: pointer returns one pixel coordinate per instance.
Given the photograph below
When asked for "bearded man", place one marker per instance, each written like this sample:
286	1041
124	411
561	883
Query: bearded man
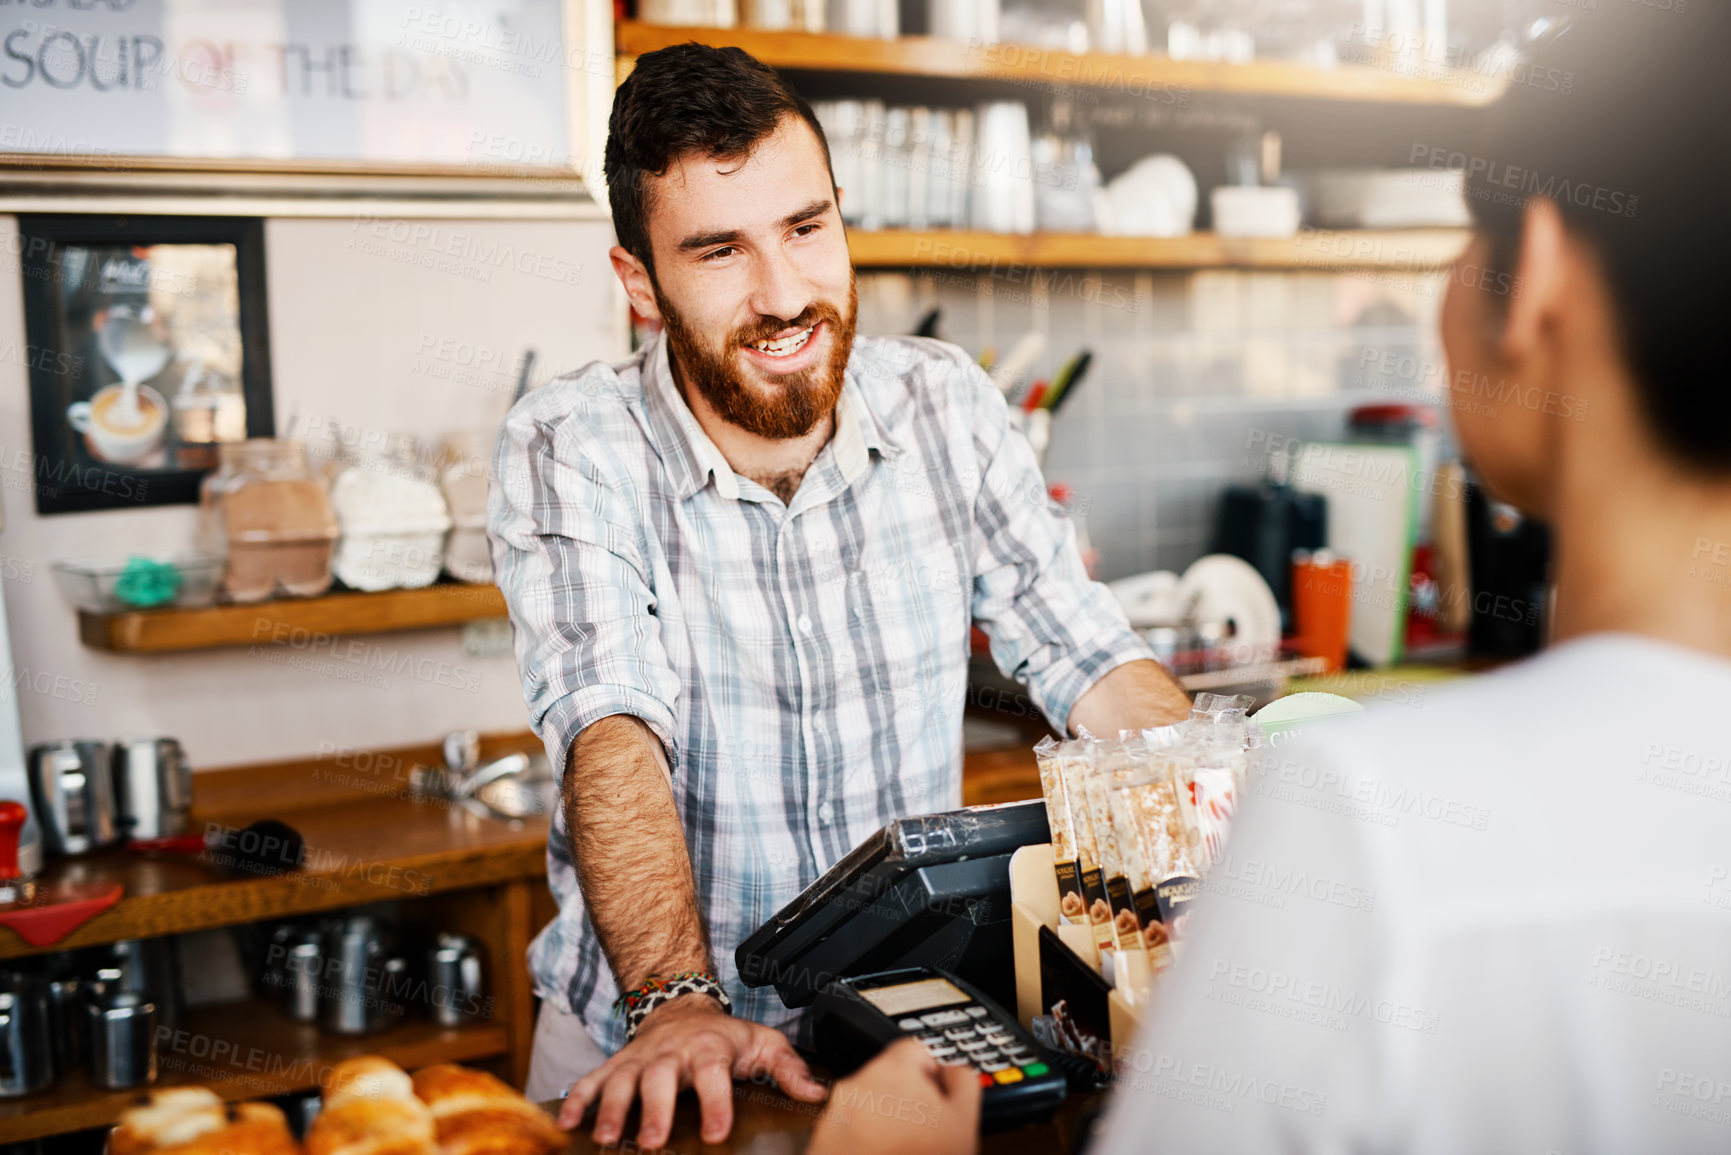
741	568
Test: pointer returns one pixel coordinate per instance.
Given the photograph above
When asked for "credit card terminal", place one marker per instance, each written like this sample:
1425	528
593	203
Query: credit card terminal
854	1018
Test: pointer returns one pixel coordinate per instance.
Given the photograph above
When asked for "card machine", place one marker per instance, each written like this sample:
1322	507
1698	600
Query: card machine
854	1018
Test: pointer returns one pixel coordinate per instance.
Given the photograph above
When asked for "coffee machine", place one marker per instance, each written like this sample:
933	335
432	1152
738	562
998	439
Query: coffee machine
14	779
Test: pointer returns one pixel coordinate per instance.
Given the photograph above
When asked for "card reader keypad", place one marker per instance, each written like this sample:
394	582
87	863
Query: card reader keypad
967	1035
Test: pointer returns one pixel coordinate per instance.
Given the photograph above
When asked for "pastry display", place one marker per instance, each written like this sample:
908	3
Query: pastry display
370	1106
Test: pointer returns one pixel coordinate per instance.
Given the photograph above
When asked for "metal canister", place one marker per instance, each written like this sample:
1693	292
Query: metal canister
66	995
152	787
354	954
120	1032
302	974
26	1049
456	980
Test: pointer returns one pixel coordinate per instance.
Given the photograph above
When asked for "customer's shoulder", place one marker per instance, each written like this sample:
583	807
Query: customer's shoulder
1581	704
1414	718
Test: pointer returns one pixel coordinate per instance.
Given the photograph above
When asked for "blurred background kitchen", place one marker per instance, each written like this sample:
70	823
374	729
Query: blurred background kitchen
272	273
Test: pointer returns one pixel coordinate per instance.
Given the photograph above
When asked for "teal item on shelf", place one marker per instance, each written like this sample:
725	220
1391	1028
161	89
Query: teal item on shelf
144	583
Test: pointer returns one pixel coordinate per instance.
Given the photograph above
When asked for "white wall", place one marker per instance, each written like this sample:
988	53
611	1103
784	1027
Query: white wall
358	314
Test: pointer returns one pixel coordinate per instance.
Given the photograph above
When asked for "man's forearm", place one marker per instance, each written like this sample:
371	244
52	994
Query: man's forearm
630	853
1133	696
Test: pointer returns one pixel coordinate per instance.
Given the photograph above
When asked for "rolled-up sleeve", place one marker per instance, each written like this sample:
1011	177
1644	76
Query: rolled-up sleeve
1051	627
569	556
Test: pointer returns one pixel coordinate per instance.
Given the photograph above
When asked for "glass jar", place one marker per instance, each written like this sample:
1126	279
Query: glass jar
393	519
468	556
271	516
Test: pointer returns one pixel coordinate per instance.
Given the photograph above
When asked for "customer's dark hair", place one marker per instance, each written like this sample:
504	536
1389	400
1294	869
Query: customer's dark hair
1623	119
719	103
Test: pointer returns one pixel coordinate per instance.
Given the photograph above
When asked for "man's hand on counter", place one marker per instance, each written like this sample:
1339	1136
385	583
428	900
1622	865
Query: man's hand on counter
688	1042
902	1103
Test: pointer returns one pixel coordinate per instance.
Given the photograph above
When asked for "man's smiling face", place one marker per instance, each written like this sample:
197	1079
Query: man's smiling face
753	282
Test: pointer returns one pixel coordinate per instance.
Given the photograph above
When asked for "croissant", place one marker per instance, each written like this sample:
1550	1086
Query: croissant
370	1109
193	1121
476	1114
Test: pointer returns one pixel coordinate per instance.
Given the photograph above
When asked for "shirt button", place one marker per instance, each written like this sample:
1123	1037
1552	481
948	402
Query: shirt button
804	623
825	812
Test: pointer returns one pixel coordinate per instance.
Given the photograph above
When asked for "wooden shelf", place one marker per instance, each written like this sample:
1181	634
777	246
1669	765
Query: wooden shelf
244	1051
1139	77
288	620
363	849
1397	250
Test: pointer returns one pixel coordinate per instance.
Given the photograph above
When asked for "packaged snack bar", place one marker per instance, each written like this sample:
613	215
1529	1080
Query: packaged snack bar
1172	753
1077	759
1071	907
1162	870
1137	901
1213	799
1112	760
1220	730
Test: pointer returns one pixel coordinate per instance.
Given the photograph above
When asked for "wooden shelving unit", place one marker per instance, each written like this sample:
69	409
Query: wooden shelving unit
1136	76
244	1051
367	841
365	848
289	620
1401	250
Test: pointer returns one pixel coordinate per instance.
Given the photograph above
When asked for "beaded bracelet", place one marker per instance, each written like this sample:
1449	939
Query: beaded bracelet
639	1002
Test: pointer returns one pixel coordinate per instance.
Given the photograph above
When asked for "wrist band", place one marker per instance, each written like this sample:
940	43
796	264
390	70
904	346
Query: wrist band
639	1002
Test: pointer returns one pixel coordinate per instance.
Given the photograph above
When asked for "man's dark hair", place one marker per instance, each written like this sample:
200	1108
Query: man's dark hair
1623	118
720	103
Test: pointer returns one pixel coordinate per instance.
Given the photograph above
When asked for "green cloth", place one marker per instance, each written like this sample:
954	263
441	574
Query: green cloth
145	583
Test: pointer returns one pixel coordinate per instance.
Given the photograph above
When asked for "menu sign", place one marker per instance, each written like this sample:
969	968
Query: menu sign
473	83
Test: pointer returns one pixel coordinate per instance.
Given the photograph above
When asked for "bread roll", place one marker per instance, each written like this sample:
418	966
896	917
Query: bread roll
476	1114
171	1117
370	1109
193	1121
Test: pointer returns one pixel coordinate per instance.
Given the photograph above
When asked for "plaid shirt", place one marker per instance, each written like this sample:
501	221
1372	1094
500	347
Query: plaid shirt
805	665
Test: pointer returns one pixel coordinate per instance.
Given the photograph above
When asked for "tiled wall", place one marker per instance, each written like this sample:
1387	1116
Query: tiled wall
1193	375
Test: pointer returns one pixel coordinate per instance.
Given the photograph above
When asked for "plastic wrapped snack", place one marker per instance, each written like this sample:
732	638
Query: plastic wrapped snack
1112	761
1171	752
1219	732
1076	760
1160	862
1050	756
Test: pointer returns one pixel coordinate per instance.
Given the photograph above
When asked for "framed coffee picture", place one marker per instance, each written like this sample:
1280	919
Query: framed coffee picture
148	351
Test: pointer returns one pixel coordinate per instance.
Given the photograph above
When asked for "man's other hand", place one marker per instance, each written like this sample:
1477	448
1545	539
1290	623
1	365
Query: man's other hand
904	1102
689	1042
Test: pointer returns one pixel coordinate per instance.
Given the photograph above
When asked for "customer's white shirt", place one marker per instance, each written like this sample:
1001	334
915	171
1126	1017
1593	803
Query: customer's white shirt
1496	918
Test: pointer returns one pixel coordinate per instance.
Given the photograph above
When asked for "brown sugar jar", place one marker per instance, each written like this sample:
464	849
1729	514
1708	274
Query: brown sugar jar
266	509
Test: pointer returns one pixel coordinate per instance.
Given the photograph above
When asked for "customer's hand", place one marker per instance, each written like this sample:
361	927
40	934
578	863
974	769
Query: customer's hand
688	1042
904	1102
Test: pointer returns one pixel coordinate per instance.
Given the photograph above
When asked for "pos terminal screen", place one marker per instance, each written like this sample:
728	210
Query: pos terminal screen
904	998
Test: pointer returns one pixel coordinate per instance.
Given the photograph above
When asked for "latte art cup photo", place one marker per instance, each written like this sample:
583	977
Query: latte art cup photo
112	432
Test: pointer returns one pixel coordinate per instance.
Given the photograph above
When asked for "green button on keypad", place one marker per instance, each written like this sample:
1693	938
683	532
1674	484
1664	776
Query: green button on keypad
1035	1070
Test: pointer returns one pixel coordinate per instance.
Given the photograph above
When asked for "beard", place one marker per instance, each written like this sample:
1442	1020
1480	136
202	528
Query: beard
791	404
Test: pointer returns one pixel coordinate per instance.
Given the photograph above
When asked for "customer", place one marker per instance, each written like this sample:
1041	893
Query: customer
741	567
1545	963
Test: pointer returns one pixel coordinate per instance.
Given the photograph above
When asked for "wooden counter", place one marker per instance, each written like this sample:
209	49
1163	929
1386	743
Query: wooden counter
367	840
766	1121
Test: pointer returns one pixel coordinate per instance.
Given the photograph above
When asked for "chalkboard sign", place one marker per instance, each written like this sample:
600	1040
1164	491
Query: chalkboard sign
438	84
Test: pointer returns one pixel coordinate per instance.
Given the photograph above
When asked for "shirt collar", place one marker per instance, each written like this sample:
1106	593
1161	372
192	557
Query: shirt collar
688	454
691	458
